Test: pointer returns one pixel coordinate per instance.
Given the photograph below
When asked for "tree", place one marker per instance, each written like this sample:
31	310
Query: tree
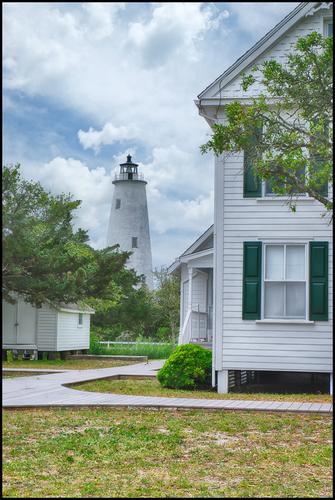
294	115
44	258
168	299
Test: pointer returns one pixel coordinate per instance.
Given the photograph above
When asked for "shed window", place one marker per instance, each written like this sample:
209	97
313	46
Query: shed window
285	282
117	204
80	319
134	242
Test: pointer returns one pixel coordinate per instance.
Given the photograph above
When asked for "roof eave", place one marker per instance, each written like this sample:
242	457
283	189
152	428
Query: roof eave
263	44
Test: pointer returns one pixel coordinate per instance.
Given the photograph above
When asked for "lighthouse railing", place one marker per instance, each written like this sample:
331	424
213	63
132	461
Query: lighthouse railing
125	177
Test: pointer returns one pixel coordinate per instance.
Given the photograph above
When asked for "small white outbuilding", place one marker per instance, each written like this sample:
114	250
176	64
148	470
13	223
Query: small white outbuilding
51	328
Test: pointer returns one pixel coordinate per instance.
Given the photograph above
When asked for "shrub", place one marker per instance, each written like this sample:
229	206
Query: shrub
188	367
95	346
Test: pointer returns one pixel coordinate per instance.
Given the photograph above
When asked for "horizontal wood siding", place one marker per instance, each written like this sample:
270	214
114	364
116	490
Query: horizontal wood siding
46	329
70	336
249	345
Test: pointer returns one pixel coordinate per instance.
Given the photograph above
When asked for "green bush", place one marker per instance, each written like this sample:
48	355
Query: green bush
188	367
95	346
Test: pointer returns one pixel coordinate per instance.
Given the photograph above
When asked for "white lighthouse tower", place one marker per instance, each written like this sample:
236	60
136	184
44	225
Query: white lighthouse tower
129	221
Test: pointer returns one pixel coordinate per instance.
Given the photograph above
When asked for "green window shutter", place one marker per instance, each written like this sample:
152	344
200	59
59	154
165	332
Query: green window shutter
317	160
252	185
318	277
252	275
317	164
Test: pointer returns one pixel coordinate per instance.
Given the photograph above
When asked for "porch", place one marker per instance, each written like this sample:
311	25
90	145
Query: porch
197	307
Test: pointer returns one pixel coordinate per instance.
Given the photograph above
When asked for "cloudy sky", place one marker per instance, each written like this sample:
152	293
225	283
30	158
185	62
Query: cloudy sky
87	83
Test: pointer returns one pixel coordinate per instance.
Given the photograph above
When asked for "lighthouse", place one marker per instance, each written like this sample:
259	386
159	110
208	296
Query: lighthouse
129	221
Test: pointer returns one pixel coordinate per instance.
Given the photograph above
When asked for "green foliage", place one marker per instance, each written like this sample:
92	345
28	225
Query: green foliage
189	367
295	113
163	333
167	297
95	346
139	311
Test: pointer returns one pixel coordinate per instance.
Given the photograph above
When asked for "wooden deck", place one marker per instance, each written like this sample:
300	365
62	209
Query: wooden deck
49	390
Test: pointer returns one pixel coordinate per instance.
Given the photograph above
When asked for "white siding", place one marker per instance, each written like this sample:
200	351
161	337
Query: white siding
247	344
46	329
70	336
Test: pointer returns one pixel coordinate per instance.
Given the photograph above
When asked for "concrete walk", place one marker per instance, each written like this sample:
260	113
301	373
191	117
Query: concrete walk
48	390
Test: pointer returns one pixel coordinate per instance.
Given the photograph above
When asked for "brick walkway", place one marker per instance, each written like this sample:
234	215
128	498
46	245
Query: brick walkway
48	390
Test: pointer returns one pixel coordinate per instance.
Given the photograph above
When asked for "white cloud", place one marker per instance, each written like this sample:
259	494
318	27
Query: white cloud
260	18
173	28
92	186
109	134
101	17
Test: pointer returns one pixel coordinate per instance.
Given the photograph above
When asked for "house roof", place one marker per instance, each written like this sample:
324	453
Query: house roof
72	307
196	247
303	9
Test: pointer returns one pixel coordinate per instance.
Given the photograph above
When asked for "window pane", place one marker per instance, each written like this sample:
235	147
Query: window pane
330	29
296	300
274	300
274	265
269	187
295	262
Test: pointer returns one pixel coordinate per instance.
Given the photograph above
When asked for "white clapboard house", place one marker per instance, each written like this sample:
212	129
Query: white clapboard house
50	328
272	268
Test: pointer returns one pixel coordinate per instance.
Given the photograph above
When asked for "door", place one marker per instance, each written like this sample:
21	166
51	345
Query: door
26	330
9	319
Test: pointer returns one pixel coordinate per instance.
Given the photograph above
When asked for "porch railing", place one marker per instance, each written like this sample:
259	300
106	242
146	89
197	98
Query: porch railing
195	327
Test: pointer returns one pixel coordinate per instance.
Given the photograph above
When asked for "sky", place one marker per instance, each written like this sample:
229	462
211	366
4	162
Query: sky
85	84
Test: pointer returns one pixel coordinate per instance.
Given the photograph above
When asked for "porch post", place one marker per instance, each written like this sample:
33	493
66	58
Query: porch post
190	275
331	383
223	381
189	302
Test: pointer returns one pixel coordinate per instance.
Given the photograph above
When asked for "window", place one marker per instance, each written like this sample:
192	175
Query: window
285	281
117	204
328	28
134	242
269	186
80	319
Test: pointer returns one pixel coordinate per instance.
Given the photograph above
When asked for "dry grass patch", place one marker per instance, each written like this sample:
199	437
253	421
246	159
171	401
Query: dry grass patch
138	453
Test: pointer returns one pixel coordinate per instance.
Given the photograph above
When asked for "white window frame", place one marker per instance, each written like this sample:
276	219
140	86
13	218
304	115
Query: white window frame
306	280
80	316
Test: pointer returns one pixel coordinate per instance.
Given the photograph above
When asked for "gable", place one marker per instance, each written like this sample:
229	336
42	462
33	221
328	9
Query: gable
204	242
307	17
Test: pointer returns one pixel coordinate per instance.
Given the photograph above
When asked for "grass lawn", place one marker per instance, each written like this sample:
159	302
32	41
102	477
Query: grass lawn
151	387
69	364
138	453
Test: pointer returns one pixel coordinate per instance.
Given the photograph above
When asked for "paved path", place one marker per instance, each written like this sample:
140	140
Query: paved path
48	391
